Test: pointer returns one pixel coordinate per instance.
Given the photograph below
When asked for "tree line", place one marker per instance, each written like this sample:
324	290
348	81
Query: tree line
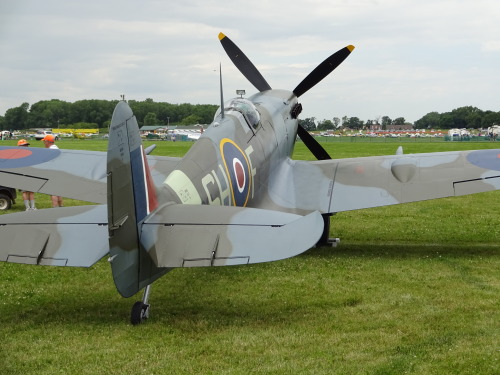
96	113
464	117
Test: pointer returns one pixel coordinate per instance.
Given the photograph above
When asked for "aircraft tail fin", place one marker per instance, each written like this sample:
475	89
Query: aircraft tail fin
131	197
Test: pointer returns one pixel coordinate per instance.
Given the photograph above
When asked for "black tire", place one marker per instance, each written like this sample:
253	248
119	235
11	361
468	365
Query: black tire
5	202
323	241
137	314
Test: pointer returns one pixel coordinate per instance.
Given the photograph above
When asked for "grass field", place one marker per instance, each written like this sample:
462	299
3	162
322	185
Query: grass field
411	289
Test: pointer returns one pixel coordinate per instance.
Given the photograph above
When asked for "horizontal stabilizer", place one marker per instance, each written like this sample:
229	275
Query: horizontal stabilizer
199	236
64	236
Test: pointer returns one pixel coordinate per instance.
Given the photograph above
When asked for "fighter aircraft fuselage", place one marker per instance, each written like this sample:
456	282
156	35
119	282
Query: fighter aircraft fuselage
229	165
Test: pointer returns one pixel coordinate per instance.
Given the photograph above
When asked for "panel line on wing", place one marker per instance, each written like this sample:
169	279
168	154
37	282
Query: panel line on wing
217	224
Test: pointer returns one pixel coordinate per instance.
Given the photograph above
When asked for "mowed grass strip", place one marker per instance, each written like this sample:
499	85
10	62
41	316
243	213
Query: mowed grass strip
410	289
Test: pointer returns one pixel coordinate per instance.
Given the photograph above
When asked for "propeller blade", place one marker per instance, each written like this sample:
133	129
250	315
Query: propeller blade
243	63
322	70
317	150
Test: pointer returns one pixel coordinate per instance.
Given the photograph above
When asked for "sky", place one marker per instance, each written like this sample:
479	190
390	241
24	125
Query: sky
412	57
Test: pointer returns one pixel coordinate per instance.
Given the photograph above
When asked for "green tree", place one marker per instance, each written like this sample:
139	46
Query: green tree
386	120
399	121
354	123
446	121
191	120
17	118
490	118
150	119
344	121
308	124
465	117
473	120
336	122
49	114
429	121
98	111
325	125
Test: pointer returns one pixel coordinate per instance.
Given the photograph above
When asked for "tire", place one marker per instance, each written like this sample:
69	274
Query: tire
323	241
5	202
137	314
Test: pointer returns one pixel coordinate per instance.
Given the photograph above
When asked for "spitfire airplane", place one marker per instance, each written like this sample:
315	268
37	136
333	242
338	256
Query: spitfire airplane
235	198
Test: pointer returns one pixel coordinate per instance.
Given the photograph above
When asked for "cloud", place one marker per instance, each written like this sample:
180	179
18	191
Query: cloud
411	57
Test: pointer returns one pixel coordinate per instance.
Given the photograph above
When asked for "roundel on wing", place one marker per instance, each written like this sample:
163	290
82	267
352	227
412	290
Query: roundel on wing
487	159
18	157
238	171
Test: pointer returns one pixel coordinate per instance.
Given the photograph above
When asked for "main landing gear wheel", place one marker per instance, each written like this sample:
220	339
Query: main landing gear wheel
325	239
140	310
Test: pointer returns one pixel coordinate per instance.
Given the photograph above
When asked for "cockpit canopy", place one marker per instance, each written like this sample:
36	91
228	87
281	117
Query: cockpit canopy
245	107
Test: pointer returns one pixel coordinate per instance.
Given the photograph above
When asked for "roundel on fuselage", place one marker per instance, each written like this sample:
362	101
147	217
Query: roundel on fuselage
238	171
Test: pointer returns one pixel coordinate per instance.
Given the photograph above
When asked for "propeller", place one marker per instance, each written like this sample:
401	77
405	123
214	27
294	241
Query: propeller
244	64
322	70
249	70
317	150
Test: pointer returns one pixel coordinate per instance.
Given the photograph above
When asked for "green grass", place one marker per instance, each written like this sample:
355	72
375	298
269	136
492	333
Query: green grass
410	289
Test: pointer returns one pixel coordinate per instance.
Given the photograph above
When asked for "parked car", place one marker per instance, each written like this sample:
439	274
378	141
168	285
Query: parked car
7	197
40	134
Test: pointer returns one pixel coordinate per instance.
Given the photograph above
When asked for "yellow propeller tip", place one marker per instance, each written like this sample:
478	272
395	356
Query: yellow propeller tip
350	48
221	36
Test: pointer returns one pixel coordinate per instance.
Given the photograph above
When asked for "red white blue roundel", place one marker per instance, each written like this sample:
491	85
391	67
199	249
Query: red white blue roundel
238	171
18	157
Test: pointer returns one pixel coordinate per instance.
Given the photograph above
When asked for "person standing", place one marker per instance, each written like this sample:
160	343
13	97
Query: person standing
28	196
49	142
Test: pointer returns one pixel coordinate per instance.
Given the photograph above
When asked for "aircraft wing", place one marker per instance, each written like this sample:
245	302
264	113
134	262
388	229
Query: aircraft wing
350	184
75	174
199	236
65	236
69	173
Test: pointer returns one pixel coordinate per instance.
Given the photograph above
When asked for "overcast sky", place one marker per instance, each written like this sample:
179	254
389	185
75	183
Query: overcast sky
411	58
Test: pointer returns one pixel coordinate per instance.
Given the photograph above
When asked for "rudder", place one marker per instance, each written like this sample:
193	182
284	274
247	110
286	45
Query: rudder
131	197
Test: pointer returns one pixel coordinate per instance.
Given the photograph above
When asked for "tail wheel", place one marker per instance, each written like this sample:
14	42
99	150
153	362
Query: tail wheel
140	312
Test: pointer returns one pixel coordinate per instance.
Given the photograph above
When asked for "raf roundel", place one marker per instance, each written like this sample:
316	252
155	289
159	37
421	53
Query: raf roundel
19	157
238	171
